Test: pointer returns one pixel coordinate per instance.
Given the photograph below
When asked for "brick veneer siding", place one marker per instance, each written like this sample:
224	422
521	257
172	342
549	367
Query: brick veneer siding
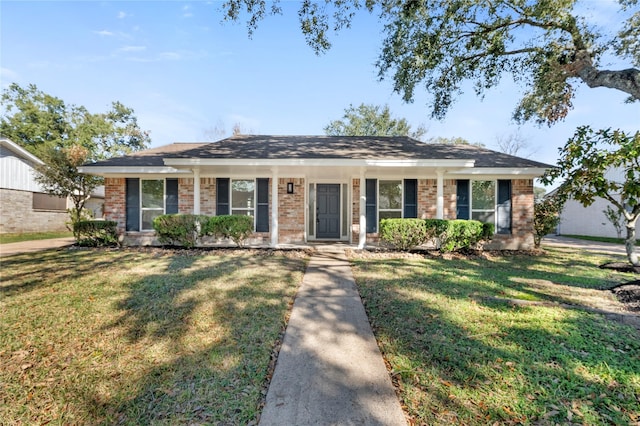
291	224
115	202
185	195
207	196
521	237
355	205
17	214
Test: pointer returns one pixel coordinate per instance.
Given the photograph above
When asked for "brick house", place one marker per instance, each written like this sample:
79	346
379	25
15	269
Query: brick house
24	205
321	188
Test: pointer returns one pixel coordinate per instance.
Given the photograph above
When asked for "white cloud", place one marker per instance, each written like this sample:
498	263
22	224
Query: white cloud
132	48
104	33
186	11
122	15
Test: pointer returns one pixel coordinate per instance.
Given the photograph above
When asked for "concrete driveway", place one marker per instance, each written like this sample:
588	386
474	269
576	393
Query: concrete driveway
34	245
591	246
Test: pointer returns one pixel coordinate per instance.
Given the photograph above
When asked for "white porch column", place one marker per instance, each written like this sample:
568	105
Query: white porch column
196	191
440	195
274	207
362	240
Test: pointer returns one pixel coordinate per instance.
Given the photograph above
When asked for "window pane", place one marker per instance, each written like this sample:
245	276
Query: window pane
242	212
390	194
242	194
390	215
147	218
153	194
483	195
484	217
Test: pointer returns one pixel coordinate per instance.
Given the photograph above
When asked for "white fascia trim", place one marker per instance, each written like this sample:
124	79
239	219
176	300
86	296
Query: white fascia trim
318	162
17	149
102	170
524	172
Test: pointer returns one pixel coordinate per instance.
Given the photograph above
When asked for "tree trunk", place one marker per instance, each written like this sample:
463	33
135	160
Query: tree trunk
630	243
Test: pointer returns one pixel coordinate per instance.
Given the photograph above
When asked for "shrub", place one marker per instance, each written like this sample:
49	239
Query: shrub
96	233
546	216
179	229
236	227
403	234
76	216
461	234
458	234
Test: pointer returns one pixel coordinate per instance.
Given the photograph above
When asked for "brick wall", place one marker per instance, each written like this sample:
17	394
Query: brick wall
450	192
521	237
115	201
17	214
427	198
355	205
291	211
207	196
185	195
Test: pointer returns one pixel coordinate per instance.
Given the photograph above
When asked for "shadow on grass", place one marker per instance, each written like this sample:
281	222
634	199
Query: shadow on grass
458	361
208	375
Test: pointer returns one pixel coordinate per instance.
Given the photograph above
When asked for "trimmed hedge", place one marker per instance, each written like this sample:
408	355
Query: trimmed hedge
452	235
236	227
179	229
96	233
403	234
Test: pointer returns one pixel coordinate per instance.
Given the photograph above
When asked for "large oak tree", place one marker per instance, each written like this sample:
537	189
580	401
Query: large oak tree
548	47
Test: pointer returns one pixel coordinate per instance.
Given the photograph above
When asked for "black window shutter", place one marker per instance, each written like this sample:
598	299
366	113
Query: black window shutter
171	202
371	205
222	196
503	213
133	204
462	200
262	213
410	198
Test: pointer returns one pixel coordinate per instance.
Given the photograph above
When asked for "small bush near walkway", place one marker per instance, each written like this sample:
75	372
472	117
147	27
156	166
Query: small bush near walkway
450	235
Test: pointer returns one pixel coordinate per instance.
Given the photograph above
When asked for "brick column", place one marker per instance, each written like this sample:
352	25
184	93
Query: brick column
115	201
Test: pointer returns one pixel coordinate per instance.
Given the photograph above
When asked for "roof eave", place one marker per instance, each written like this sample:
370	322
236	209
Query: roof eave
518	171
332	162
104	170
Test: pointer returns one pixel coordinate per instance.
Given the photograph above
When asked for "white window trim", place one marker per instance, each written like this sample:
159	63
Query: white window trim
495	200
401	209
164	201
255	198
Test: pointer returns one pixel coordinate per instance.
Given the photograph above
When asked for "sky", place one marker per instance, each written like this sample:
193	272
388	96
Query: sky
185	72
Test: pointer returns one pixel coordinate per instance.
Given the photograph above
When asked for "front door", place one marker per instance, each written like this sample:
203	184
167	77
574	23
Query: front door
328	211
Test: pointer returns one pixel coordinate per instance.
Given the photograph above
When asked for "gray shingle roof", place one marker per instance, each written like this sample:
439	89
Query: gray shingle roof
321	147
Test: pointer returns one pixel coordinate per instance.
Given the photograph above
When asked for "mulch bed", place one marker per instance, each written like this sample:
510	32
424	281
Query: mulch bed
621	267
629	295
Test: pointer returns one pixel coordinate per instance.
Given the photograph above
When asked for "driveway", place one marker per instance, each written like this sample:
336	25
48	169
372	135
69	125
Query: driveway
34	245
591	246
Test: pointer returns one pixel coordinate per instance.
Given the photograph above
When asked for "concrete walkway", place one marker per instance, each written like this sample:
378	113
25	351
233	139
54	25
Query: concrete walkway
34	245
330	370
591	246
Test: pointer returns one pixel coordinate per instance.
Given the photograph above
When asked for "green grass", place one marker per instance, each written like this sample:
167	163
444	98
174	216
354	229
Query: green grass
600	239
140	337
461	357
16	238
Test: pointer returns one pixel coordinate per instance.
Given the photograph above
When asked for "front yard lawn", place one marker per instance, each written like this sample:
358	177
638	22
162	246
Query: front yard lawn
140	336
31	236
460	356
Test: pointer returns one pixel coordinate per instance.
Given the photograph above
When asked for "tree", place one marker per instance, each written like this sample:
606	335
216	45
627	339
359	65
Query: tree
514	144
615	218
67	136
584	163
38	121
453	141
546	216
371	120
546	46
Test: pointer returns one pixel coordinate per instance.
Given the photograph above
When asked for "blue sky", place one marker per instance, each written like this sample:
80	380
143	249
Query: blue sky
184	72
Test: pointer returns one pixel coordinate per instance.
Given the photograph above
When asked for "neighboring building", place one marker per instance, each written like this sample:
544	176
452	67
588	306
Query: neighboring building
308	188
576	219
24	206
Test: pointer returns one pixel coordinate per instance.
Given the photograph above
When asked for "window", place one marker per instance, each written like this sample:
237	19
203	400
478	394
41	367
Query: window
243	197
147	199
389	199
48	202
483	201
488	201
151	201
